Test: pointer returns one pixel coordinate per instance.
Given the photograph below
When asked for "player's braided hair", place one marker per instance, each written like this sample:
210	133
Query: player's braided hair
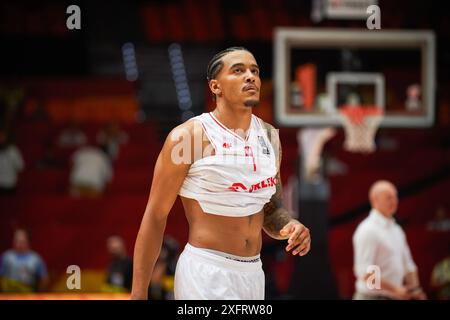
216	64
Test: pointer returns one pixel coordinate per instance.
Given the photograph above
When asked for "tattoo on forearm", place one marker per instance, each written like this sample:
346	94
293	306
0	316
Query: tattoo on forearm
275	216
275	222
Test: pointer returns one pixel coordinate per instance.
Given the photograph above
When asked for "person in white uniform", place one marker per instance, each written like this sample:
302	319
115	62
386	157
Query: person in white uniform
383	265
225	166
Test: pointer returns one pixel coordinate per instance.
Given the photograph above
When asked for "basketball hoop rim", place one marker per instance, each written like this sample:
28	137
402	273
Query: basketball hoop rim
356	114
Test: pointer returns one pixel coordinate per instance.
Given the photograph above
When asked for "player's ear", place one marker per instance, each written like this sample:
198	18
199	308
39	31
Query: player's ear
215	87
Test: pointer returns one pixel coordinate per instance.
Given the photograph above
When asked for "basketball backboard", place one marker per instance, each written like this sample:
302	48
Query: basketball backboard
319	71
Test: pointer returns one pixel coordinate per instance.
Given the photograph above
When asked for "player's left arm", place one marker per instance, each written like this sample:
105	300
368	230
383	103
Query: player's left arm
278	223
412	283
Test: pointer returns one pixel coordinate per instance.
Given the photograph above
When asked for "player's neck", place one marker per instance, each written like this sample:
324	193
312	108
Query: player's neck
234	118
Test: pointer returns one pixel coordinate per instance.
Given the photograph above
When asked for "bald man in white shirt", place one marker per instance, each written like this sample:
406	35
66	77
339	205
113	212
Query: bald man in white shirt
383	264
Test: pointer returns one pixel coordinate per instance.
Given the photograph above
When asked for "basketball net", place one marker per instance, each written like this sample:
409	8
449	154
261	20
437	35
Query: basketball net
361	124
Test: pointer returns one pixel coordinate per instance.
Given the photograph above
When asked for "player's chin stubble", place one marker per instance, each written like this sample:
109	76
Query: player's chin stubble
251	103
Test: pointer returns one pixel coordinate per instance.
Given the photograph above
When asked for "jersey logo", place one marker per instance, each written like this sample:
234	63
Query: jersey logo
262	142
235	186
226	145
270	182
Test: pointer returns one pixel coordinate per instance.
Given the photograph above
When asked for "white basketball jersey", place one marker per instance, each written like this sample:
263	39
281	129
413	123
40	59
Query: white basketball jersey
239	179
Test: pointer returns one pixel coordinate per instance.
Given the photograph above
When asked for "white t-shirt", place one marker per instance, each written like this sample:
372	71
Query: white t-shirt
91	167
11	163
380	242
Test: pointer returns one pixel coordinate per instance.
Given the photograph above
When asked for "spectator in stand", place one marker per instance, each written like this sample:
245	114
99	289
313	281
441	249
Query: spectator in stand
12	97
91	171
112	136
120	269
440	280
440	222
11	163
21	269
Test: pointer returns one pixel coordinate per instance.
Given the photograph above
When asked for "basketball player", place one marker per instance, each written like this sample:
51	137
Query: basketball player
230	191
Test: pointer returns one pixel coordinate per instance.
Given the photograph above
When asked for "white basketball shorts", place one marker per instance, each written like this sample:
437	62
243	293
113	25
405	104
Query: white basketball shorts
203	275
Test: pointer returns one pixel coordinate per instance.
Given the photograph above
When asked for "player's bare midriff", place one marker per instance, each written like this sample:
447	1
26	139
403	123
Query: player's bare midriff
239	236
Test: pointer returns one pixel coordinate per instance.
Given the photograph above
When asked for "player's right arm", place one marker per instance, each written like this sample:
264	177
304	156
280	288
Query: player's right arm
169	174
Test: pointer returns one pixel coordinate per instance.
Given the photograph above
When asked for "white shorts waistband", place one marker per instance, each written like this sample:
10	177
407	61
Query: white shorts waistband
220	261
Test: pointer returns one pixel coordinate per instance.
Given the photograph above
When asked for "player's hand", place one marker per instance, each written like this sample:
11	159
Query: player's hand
299	238
417	294
401	293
